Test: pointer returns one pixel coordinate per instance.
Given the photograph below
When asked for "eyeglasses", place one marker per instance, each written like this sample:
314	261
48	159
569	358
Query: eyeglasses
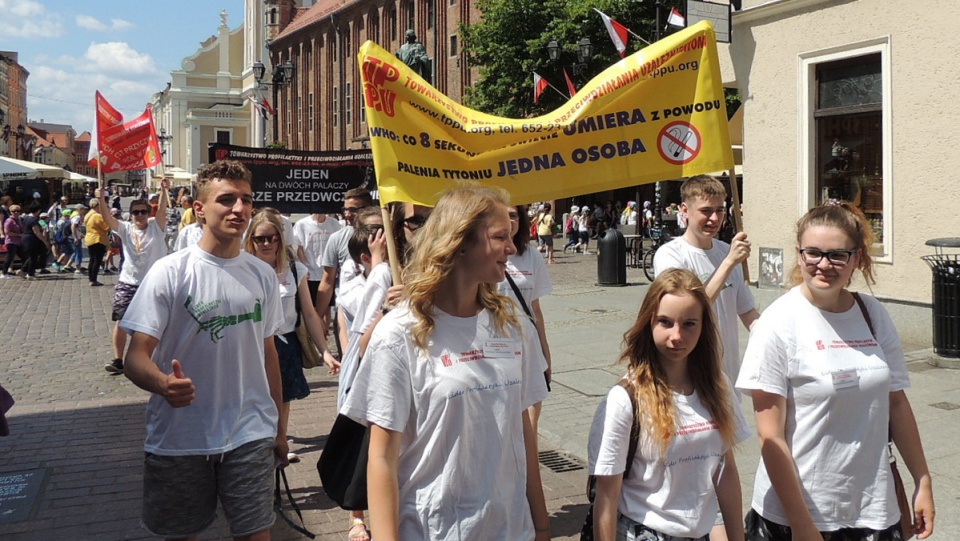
813	256
414	222
140	212
265	239
351	210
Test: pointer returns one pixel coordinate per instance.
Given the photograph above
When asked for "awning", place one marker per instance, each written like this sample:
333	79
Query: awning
11	169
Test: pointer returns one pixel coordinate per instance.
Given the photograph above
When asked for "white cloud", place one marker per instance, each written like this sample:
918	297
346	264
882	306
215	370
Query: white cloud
117	57
90	23
120	24
28	19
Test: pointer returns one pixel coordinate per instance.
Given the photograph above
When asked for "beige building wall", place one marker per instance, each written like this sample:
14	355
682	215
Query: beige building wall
776	46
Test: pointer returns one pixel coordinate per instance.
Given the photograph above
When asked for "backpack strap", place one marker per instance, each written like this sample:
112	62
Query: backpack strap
296	287
634	427
516	291
866	314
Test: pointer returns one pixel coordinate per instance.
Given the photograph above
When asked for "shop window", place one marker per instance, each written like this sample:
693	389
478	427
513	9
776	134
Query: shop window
849	147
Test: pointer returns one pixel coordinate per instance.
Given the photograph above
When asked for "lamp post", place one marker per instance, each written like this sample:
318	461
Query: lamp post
584	53
164	140
282	75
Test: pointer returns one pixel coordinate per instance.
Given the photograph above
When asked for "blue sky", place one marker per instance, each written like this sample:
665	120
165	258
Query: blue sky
124	48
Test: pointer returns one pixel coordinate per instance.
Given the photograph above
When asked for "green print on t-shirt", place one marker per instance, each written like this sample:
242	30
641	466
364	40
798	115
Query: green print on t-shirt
216	324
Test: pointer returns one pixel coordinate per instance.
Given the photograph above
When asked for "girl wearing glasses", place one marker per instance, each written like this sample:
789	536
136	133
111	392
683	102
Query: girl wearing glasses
827	374
266	242
445	384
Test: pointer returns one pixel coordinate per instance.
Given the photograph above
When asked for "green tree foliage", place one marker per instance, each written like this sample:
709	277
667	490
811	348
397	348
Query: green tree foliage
510	43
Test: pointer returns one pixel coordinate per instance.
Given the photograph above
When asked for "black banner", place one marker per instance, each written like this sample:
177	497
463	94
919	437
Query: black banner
299	181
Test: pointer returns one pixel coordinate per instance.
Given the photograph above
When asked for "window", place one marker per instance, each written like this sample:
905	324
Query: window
299	114
849	132
310	112
453	46
348	104
431	13
363	108
336	107
222	136
289	114
849	153
411	16
392	21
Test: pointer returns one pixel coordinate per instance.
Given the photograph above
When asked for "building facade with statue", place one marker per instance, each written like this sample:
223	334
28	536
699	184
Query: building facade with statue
204	103
321	107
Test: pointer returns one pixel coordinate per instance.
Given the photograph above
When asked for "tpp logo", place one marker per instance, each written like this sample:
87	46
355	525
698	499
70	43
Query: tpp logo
375	73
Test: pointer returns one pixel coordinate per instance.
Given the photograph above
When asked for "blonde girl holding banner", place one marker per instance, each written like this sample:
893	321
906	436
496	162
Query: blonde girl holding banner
445	384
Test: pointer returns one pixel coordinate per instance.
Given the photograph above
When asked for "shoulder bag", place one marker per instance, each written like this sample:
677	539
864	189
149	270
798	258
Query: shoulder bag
309	354
906	515
586	531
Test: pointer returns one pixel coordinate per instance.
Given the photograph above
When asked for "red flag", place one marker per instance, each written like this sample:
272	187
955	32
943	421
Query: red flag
570	86
618	33
104	116
258	105
130	146
539	85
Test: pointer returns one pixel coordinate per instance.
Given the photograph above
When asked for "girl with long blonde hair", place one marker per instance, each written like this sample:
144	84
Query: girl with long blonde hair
444	386
683	468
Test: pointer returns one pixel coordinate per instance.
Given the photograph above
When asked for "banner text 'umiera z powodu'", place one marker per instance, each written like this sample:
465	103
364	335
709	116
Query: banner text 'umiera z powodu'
658	114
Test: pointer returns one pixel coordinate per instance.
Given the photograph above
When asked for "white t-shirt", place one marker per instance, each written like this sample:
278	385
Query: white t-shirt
188	236
672	494
313	236
360	300
288	297
141	249
529	272
462	466
213	315
336	255
734	299
288	234
837	380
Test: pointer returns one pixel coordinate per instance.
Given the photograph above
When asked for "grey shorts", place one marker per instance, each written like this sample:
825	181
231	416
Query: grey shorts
180	492
122	295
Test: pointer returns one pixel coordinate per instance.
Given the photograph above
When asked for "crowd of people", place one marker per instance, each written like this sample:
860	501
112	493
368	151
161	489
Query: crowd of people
442	351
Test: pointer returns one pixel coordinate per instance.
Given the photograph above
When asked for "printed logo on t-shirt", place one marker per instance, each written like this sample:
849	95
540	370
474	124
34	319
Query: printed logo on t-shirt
216	324
705	277
848	344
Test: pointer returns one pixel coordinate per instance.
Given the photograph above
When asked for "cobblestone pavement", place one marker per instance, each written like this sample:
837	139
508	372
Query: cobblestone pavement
85	428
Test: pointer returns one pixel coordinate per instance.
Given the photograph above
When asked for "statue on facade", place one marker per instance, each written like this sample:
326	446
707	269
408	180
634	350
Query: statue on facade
414	54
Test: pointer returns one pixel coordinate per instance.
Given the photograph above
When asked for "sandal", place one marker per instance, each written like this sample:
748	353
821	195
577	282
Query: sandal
358	532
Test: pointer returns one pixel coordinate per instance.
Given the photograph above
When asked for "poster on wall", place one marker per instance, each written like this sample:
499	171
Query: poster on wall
771	268
300	181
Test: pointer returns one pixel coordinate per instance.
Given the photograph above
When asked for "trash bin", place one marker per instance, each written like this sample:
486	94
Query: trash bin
612	259
946	297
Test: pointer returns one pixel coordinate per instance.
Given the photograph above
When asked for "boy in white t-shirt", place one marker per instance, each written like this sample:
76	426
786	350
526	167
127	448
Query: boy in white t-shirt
716	263
143	245
202	325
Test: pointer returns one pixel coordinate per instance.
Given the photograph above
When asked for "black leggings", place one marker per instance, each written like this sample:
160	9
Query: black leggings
13	250
97	252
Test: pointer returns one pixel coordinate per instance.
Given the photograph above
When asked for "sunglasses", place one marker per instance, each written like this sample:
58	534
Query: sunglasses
414	222
351	210
141	212
261	240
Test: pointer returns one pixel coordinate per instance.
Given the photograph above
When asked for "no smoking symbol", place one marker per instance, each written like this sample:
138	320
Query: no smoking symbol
679	142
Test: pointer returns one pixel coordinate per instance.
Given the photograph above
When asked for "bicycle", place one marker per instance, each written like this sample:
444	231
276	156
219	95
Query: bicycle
658	236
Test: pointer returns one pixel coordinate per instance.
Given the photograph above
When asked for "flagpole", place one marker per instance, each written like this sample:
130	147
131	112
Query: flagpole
557	89
391	246
632	33
738	215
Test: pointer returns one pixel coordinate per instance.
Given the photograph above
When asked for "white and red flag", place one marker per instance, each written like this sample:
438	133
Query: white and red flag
123	146
539	85
258	104
676	19
618	33
570	85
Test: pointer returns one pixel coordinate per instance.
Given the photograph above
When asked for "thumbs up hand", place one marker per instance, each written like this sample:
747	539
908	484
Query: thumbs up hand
179	390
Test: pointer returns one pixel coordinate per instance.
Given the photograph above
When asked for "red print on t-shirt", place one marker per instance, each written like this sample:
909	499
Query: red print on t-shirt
820	345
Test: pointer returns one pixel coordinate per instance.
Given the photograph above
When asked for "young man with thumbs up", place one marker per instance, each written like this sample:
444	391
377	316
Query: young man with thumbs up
202	325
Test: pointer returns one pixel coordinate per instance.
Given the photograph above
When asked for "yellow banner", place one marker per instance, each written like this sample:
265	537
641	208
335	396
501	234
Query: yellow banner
658	114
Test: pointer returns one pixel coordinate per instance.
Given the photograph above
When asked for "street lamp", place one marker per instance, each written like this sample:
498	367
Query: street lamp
282	75
584	54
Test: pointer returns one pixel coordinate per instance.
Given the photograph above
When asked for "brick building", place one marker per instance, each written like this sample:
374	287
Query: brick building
81	149
13	103
322	108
